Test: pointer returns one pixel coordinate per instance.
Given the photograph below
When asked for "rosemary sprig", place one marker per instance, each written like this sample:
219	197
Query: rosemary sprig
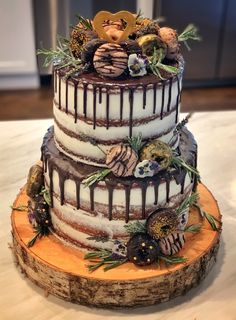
21	207
188	202
190	32
135	142
135	227
178	162
193	228
45	193
95	177
86	23
39	231
155	64
171	260
183	122
209	217
62	56
101	258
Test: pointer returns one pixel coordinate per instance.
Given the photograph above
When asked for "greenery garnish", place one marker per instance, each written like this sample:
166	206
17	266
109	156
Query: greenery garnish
183	122
39	231
155	64
139	15
188	202
171	260
193	228
45	193
135	227
136	142
98	239
21	207
61	56
101	258
178	163
95	177
86	23
190	32
210	218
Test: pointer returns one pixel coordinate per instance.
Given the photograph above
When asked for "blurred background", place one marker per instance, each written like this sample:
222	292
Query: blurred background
25	85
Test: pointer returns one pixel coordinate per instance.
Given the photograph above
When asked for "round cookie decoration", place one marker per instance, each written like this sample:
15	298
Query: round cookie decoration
157	151
142	250
161	223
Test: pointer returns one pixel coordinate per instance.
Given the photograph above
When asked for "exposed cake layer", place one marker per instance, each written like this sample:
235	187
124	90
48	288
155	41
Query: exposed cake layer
103	209
110	111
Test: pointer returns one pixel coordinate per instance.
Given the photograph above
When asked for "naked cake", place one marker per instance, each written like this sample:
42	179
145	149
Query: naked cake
118	178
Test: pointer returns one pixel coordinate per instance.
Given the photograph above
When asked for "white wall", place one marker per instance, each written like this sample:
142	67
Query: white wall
18	68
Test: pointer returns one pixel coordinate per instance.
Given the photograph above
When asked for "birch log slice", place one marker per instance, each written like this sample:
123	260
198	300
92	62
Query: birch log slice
61	270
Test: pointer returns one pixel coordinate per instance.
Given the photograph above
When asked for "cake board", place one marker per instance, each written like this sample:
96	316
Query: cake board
62	271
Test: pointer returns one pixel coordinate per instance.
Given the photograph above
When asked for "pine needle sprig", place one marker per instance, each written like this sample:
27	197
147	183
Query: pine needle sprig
21	207
95	177
86	23
39	231
135	227
102	258
188	202
155	64
183	122
179	163
190	32
193	228
213	221
172	260
135	142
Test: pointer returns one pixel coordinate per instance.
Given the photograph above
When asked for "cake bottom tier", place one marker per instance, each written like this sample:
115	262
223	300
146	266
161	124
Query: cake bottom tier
62	271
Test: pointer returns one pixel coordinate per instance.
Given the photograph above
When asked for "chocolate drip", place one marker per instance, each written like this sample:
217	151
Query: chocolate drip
92	187
110	199
67	85
162	98
107	108
55	81
156	192
131	102
59	93
127	202
144	96
85	100
169	94
100	95
121	102
144	192
77	184
75	99
62	188
94	106
50	172
167	191
154	97
177	101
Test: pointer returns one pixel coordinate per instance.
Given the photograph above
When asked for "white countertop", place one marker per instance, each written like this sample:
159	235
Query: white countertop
213	299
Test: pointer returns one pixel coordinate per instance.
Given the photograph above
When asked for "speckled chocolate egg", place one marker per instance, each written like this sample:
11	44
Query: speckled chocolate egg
41	212
161	223
172	244
79	38
157	151
34	180
142	250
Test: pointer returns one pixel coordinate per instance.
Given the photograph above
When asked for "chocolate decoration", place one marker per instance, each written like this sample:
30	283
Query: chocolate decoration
59	93
107	108
154	97
131	102
100	95
75	99
55	80
170	93
121	102
66	96
162	98
69	169
85	99
177	100
144	96
94	105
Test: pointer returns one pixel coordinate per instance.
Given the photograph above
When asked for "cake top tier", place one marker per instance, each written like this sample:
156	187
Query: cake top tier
120	46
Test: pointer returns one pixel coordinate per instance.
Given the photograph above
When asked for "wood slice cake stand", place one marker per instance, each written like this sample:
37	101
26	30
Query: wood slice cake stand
61	270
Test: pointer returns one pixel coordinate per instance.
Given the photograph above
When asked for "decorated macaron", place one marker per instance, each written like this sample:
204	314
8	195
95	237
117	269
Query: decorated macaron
173	243
142	250
34	180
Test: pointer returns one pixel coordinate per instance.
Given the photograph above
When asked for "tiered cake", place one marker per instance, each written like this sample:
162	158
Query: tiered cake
119	169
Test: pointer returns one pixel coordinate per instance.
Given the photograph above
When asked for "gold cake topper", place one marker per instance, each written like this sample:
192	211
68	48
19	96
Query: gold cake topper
103	16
